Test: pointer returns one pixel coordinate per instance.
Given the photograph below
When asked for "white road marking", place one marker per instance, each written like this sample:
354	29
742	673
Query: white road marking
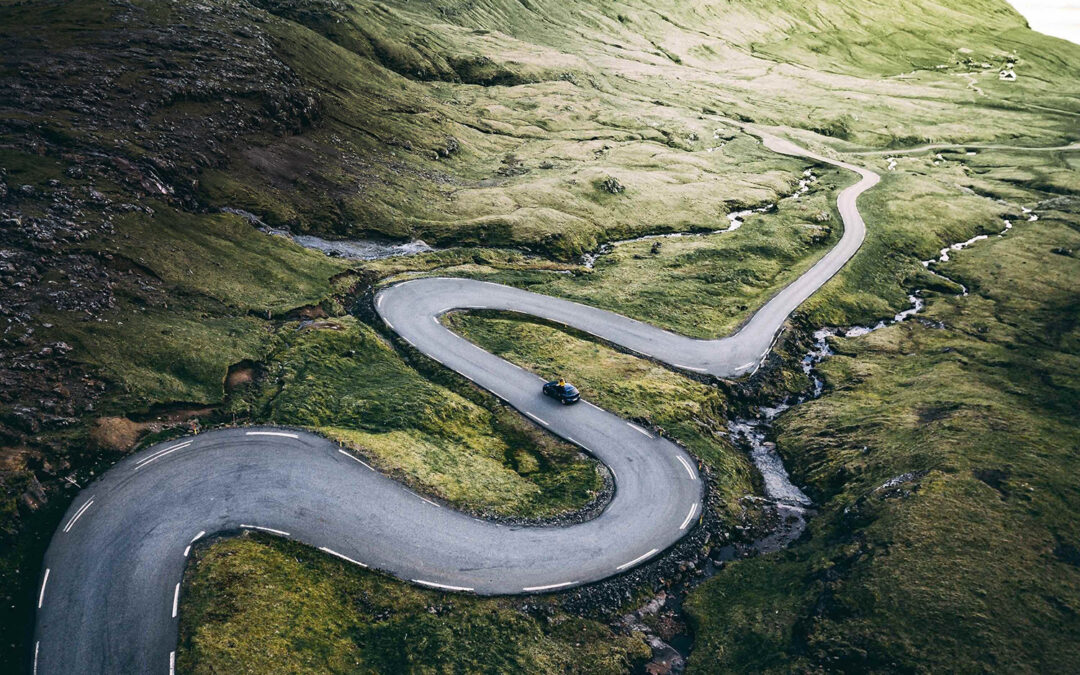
689	517
343	557
746	365
637	428
37	647
573	440
388	324
686	465
408	341
537	419
283	434
378	301
446	586
636	560
175	600
159	454
187	550
265	529
444	311
593	405
41	596
696	370
436	320
355	458
198	536
613	475
172	663
78	514
529	589
428	501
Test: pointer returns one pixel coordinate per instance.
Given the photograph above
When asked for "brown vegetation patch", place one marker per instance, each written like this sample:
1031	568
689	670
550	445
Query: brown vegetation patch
117	434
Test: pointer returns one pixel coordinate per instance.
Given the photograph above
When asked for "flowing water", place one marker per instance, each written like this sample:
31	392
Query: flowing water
353	249
735	221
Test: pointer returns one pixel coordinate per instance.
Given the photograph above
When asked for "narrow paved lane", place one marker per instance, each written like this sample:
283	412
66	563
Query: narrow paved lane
111	581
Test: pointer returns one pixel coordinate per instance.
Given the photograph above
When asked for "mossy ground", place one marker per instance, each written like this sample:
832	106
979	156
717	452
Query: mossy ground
633	388
347	382
258	604
964	564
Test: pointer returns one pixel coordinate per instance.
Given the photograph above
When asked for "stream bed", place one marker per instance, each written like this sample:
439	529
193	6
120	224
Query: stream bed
791	507
352	249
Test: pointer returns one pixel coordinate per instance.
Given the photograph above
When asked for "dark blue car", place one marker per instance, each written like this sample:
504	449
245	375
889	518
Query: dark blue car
562	391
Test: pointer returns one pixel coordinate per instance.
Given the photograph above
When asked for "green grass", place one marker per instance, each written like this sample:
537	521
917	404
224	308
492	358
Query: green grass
964	568
702	286
163	356
633	388
223	257
347	383
257	604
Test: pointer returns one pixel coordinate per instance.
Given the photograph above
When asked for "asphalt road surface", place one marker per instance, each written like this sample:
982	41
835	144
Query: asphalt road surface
111	580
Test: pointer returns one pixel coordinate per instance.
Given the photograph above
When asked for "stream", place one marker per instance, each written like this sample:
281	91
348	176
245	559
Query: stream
735	221
791	506
353	249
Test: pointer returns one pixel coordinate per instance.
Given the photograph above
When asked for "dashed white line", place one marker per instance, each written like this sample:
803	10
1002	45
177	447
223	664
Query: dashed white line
172	663
159	454
78	514
746	365
37	647
686	465
41	595
537	419
689	517
573	440
343	557
198	536
636	560
356	459
444	586
283	434
264	529
388	324
378	301
428	501
175	600
529	589
593	405
696	370
639	429
187	550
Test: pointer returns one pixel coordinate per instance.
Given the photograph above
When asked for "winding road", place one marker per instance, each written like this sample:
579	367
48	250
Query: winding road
111	580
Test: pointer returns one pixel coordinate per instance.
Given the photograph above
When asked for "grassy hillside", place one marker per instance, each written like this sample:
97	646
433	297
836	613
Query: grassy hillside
501	130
